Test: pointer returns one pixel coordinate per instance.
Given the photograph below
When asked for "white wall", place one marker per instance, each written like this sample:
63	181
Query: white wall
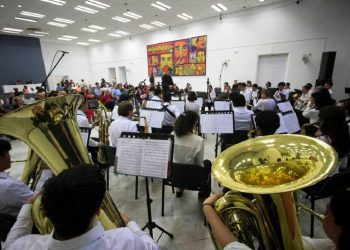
75	64
311	27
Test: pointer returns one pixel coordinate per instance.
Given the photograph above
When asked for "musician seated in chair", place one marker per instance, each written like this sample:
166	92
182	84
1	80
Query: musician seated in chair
189	147
14	193
170	114
335	224
72	201
242	115
267	122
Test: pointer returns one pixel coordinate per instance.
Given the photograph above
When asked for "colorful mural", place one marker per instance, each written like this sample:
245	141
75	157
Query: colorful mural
186	57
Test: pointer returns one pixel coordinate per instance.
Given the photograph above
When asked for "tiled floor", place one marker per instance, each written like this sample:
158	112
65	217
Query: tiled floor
183	216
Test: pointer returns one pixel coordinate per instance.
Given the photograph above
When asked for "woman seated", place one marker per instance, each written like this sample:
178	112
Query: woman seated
266	102
188	147
191	105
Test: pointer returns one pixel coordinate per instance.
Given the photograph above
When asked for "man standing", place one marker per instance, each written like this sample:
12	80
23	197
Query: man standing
167	81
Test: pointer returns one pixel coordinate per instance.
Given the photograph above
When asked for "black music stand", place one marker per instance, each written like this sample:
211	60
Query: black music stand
151	224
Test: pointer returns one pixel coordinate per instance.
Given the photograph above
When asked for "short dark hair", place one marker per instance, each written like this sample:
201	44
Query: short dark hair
167	96
238	100
157	91
267	121
124	97
192	96
185	122
322	98
281	84
124	108
71	198
266	92
5	146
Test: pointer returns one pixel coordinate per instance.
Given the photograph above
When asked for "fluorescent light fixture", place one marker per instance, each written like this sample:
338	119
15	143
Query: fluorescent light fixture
12	29
19	6
2	6
122	32
55	2
8	31
96	27
62	20
160	24
40	32
261	0
99	3
132	15
121	19
33	34
159	7
57	24
85	44
94	40
146	26
89	30
70	37
64	39
188	16
32	14
85	9
163	5
182	17
25	19
216	8
114	34
221	6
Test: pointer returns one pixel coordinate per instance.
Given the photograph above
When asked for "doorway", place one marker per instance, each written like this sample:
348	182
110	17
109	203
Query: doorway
112	74
272	68
122	74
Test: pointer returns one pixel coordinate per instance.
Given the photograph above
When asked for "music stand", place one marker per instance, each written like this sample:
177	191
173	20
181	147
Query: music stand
151	224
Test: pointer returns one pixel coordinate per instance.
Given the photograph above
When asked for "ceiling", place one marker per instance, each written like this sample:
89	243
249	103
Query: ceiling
198	9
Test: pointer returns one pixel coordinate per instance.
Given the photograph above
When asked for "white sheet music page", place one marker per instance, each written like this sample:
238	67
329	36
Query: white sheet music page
224	123
157	118
180	105
292	123
208	123
282	129
153	104
129	153
222	105
144	113
155	158
199	101
84	137
285	107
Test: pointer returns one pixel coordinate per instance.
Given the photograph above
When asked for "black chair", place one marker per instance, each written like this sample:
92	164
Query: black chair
228	140
186	176
331	185
6	223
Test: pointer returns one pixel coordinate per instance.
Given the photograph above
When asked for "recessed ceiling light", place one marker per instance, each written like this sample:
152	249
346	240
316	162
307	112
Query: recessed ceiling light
57	24
8	31
33	34
261	0
62	20
94	40
122	32
188	16
114	34
96	27
85	44
40	32
182	17
89	30
132	15
55	2
146	26
64	39
97	4
221	6
216	8
25	19
32	14
121	19
19	6
160	24
2	6
12	29
70	37
85	9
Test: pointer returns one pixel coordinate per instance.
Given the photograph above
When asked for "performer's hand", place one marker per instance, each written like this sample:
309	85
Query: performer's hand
126	219
212	199
32	199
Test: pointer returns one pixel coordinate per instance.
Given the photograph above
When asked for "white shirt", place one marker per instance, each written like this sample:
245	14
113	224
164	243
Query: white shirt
311	113
156	98
283	92
247	95
189	149
193	107
266	104
131	237
169	120
302	101
243	119
211	96
83	122
122	124
255	94
14	193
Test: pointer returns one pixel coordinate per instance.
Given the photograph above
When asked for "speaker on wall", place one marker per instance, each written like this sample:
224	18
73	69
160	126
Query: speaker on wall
327	65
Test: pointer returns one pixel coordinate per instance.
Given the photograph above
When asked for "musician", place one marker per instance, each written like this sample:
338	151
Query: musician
267	122
14	193
266	102
157	95
245	92
336	226
242	115
211	96
123	123
318	100
281	94
304	98
170	114
72	201
167	80
191	105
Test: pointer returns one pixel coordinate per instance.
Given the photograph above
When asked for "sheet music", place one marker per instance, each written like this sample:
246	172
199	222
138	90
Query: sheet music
180	105
157	118
282	129
84	137
285	107
199	101
175	98
153	104
129	155
222	105
145	113
208	123
291	122
225	123
155	158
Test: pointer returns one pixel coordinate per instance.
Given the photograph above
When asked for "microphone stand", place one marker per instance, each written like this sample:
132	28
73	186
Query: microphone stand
44	85
222	68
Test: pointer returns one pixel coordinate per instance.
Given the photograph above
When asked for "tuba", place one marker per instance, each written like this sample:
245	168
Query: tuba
49	128
268	169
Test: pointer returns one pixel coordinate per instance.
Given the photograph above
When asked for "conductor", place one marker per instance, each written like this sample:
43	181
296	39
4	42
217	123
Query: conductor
167	80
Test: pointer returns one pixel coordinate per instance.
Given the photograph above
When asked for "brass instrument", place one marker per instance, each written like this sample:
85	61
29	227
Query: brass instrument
269	168
103	126
49	128
138	118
